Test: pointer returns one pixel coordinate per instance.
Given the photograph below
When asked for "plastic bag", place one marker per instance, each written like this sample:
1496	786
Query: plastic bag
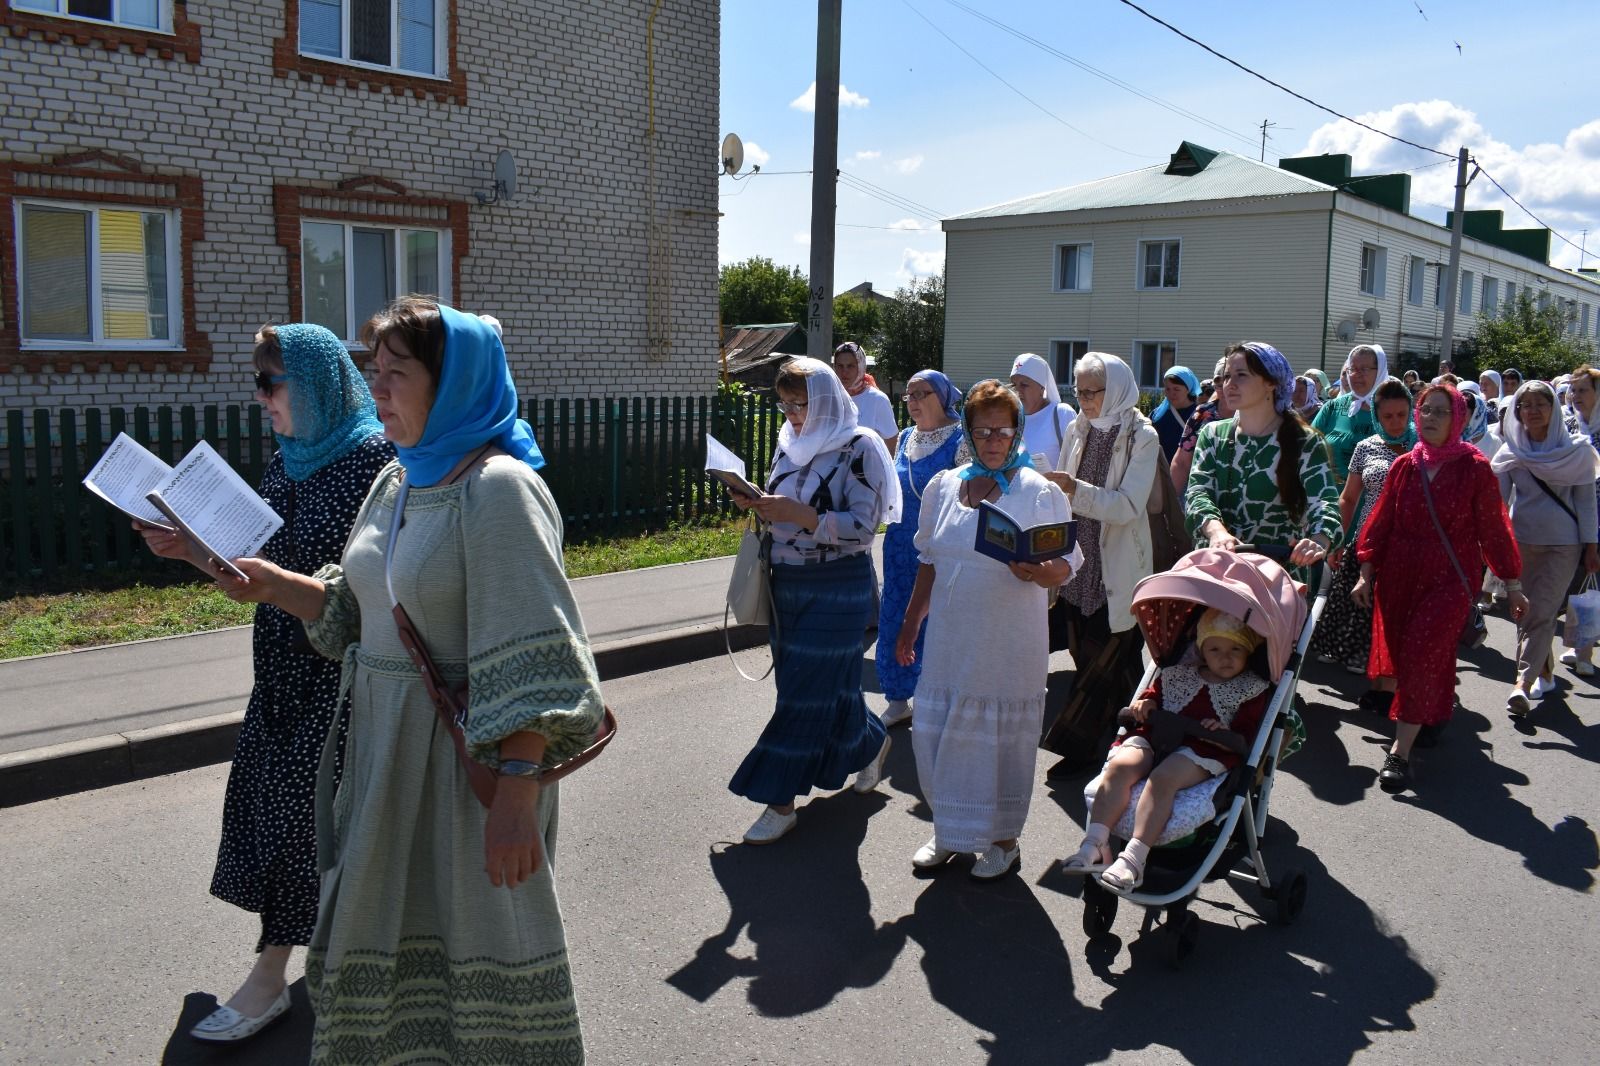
1582	627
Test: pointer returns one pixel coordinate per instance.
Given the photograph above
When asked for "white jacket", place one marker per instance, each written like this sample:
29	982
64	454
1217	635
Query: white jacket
1120	506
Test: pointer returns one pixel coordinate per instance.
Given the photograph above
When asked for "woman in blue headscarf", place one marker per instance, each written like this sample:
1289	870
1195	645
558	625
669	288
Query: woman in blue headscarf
464	535
933	442
330	447
1182	391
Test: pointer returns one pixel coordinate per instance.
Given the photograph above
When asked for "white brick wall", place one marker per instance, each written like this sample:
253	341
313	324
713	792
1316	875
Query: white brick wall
562	83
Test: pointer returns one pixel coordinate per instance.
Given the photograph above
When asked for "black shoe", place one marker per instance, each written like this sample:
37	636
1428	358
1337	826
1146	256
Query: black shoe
1376	701
1395	775
1428	736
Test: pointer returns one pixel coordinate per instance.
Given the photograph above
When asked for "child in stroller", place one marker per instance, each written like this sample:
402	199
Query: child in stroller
1221	691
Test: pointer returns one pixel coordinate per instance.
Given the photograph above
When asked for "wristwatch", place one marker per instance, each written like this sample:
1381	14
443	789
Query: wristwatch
521	768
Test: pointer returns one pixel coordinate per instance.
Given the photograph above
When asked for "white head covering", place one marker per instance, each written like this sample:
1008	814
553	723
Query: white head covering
1036	369
1122	390
1365	400
1559	459
1499	385
830	425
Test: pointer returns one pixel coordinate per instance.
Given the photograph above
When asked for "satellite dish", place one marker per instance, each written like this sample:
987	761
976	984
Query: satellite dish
1370	318
505	179
732	154
1346	330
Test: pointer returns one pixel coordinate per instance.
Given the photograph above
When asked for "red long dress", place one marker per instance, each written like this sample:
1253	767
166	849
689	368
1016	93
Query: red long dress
1421	604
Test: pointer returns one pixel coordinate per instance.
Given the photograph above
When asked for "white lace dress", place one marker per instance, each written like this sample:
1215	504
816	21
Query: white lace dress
980	700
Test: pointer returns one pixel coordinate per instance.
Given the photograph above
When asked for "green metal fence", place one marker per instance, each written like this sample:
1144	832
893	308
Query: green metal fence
612	465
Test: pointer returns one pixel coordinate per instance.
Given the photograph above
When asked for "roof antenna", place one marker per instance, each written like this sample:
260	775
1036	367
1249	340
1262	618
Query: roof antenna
1265	125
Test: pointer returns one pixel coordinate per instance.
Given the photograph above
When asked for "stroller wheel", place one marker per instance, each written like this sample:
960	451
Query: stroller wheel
1290	896
1099	909
1183	928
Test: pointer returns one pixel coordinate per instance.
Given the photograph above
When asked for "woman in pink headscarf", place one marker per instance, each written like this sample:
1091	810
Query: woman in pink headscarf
1439	519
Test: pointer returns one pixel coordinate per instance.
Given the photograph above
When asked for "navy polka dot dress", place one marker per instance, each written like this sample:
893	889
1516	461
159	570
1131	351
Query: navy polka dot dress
267	861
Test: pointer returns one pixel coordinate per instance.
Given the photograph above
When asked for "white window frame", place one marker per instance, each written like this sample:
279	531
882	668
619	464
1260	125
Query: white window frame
1510	296
1583	321
1417	281
1058	276
1138	265
1489	296
1064	374
1464	292
98	340
446	265
441	47
1138	363
1374	282
163	15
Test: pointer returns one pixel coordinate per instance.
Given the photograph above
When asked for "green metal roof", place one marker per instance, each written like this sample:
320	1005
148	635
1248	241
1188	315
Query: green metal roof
1224	177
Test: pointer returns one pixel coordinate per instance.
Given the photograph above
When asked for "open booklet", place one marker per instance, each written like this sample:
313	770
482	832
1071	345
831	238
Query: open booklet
202	498
728	468
1001	537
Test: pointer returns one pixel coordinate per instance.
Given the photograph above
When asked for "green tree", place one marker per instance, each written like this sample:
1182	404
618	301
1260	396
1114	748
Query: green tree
1535	340
758	291
859	320
913	330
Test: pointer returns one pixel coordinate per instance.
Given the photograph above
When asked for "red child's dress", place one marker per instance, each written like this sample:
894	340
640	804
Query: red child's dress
1240	703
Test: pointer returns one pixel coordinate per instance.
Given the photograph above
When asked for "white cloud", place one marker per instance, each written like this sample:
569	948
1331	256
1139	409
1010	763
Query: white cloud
807	101
915	264
909	165
754	153
802	236
867	156
907	223
1559	182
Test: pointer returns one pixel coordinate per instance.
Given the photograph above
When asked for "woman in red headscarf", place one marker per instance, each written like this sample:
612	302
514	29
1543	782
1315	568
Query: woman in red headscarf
1439	519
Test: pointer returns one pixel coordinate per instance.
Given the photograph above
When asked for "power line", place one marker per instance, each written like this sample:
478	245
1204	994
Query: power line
1276	85
890	192
1525	211
998	77
889	197
1103	75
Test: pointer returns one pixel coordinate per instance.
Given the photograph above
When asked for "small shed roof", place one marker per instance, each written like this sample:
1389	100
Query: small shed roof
748	346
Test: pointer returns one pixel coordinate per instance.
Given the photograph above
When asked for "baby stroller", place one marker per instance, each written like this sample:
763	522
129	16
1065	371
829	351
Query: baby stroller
1216	826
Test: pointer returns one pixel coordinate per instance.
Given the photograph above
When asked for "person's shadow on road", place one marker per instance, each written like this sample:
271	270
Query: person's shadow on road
804	906
286	1041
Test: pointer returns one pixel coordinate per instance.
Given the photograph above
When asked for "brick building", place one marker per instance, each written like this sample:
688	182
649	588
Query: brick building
178	172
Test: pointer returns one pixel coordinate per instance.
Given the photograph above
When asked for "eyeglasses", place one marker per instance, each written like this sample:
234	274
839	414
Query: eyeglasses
265	382
793	408
1533	405
984	432
1091	393
919	396
1433	412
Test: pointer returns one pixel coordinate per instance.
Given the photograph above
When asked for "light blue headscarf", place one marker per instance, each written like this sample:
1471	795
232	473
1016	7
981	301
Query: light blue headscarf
332	408
948	394
475	404
1016	458
1185	375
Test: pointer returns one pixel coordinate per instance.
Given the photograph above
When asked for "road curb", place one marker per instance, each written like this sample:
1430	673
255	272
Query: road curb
117	758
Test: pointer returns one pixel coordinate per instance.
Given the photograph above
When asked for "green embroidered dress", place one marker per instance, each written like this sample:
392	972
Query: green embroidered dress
1236	482
416	957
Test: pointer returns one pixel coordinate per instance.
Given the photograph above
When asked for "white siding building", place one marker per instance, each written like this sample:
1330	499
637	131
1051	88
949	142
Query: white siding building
1172	263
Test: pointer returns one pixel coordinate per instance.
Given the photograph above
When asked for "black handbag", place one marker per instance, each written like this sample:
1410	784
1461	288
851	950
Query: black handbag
1475	632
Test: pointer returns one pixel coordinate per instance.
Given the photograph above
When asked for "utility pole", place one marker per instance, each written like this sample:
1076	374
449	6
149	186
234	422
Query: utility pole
1452	270
1583	247
824	181
1264	126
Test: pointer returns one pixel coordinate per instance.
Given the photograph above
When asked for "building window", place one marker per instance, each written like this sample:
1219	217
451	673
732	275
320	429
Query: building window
1074	267
1438	287
1415	273
1158	264
402	35
1544	300
97	276
1511	297
138	14
351	271
1489	303
1064	356
1152	359
1465	287
1374	270
1583	321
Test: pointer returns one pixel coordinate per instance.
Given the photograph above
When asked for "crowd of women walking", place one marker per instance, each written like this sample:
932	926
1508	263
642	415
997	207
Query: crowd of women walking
415	519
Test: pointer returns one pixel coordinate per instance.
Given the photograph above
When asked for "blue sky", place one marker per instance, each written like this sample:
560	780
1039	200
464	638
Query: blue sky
930	125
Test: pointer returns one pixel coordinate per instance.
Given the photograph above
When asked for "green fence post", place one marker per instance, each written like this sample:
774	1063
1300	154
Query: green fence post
94	447
614	460
44	479
122	532
71	493
17	475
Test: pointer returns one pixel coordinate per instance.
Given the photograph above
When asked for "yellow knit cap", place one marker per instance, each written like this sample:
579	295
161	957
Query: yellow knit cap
1215	623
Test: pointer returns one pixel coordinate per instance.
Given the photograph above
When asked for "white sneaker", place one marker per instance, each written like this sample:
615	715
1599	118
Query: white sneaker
898	711
996	862
1517	702
930	855
770	826
1582	667
868	778
1541	688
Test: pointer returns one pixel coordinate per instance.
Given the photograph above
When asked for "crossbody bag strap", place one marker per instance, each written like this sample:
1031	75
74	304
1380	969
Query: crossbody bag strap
1427	498
1550	492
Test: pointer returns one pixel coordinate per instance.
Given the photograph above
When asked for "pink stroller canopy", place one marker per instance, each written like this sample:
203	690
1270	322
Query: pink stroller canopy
1250	587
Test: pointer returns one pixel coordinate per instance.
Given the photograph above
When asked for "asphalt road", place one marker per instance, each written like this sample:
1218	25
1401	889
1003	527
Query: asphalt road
1454	925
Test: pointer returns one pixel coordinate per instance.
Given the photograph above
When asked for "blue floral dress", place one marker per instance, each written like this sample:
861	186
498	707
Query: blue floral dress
939	449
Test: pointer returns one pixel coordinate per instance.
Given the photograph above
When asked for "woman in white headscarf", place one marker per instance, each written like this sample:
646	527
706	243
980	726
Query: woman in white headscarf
1348	418
1583	420
832	484
1547	479
1107	466
1048	416
1490	385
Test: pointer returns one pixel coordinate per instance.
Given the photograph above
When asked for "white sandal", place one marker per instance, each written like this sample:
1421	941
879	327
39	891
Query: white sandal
227	1026
1124	875
1090	858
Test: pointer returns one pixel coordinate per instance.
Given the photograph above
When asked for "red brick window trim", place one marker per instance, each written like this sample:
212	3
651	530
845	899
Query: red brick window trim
182	42
367	199
99	178
289	61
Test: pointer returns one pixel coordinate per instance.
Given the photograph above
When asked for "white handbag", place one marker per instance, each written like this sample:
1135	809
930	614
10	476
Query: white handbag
749	599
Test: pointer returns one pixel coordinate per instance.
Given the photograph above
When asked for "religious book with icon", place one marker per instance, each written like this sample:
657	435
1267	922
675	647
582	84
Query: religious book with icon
728	468
1001	537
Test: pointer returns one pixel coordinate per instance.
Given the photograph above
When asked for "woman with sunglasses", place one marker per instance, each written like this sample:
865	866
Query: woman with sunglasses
933	442
330	449
832	484
980	700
